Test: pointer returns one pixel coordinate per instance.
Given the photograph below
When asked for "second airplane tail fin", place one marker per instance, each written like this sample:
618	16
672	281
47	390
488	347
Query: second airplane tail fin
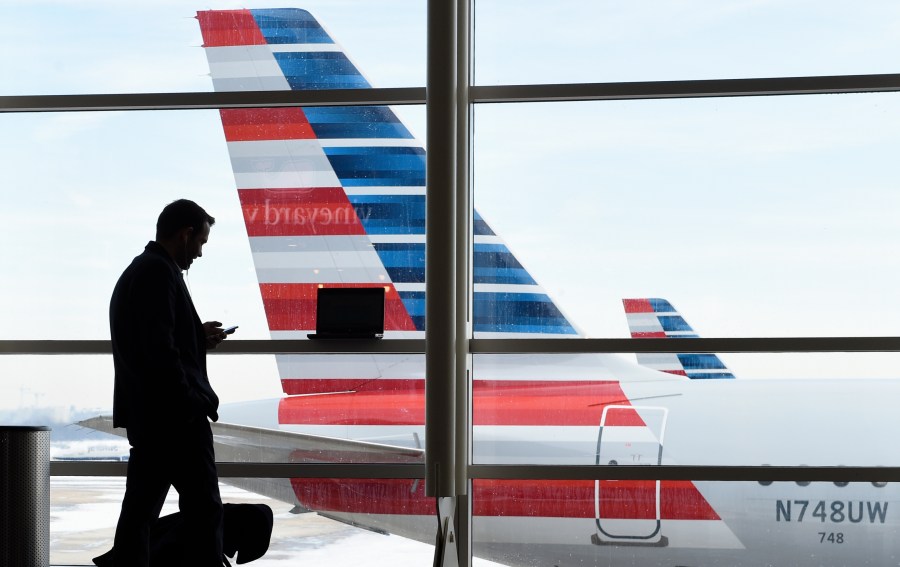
656	318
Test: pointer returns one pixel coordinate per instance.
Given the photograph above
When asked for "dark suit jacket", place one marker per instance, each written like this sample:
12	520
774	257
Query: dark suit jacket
159	349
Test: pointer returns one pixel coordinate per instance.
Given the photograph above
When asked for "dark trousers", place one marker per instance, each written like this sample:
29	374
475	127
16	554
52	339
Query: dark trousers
183	459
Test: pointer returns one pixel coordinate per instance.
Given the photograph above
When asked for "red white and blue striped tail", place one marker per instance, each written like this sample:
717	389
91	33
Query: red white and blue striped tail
335	196
656	318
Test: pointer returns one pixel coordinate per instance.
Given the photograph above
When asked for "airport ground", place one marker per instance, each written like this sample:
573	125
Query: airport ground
84	510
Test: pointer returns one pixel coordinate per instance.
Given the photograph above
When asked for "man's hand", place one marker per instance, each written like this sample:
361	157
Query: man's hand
214	334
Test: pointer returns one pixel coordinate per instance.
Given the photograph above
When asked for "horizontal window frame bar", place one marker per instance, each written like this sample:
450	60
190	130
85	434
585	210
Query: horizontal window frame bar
211	100
229	347
518	472
645	90
257	470
683	345
492	346
479	94
686	472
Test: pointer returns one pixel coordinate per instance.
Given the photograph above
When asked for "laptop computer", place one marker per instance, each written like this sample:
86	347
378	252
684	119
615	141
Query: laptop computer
349	313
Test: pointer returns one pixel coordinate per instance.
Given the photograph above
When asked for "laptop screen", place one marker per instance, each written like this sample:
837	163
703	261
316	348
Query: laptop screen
347	311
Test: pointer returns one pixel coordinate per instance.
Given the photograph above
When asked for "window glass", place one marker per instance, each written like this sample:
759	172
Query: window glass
358	408
585	42
754	216
84	191
101	47
84	510
684	409
587	522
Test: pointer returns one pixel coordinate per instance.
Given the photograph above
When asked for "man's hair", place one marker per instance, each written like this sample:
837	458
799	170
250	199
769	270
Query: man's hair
181	214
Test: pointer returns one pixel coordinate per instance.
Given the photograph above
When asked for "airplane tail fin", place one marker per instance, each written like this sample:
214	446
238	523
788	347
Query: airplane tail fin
335	196
656	318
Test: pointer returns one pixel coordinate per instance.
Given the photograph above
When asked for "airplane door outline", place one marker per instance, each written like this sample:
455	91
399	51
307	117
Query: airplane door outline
632	444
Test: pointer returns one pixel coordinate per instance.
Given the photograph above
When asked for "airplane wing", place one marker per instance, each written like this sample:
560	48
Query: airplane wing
657	318
242	444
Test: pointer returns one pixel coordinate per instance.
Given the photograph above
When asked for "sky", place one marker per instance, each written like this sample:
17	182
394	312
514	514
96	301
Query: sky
764	216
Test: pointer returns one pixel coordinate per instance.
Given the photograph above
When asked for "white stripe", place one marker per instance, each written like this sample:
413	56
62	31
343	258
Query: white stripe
357	367
397	238
233	53
488	239
370	143
304	47
509	288
659	360
343	242
300	178
323	276
643	323
275	148
245	68
320	267
409	286
274	164
385	190
302	260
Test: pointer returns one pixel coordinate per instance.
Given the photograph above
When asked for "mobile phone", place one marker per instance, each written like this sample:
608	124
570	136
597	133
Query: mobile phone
229	330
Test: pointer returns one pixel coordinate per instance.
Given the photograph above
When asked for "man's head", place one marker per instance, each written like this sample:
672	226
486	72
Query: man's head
182	229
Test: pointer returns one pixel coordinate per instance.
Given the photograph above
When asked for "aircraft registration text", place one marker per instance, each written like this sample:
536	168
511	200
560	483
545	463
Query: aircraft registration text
835	512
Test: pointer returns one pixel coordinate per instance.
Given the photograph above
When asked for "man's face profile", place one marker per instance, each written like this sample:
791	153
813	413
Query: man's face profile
193	245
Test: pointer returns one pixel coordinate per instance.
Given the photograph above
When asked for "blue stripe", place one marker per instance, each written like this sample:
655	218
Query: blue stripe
501	312
289	25
378	166
697	361
390	214
661	305
673	323
518	313
355	122
494	263
414	301
319	70
708	376
480	227
405	263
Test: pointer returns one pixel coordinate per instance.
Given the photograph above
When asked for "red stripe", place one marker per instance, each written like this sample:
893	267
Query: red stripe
501	402
679	500
526	402
292	307
648	334
299	212
360	408
637	306
229	27
294	386
248	124
676	372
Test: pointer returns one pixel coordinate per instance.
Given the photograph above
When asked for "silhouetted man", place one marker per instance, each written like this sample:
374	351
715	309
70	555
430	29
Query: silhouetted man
162	393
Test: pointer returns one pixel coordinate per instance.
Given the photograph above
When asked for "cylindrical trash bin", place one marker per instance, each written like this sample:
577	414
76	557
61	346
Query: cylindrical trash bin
24	496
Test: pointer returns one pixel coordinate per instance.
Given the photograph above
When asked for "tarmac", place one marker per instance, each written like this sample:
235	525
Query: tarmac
84	510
